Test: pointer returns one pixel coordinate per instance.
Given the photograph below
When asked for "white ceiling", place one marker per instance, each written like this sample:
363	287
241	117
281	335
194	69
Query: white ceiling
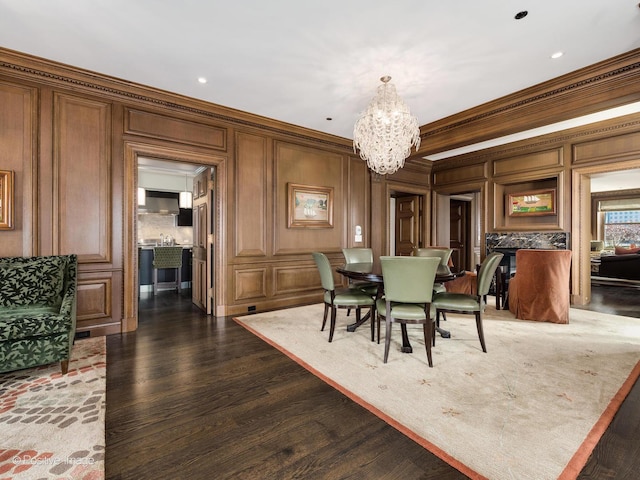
303	61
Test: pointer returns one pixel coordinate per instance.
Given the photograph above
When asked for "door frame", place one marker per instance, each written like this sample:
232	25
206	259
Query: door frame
133	150
581	226
395	188
466	254
440	231
417	219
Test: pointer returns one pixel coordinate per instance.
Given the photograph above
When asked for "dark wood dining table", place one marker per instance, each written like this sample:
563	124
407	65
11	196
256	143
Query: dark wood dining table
368	272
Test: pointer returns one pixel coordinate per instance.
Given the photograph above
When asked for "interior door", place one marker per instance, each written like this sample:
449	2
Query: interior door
407	224
202	260
459	237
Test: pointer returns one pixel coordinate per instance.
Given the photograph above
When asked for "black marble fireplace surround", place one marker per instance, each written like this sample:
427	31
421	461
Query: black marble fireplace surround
541	240
509	243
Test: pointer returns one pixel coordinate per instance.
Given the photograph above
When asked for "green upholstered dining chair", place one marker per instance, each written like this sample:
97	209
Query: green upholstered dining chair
408	292
360	255
470	304
343	298
444	254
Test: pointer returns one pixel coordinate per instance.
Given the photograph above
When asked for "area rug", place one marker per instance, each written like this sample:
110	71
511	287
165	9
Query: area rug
533	407
52	424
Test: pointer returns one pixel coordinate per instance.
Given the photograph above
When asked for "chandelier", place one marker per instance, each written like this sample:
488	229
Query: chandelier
386	131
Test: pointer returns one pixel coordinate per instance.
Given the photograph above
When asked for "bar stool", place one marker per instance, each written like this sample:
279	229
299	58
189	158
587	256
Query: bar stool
167	258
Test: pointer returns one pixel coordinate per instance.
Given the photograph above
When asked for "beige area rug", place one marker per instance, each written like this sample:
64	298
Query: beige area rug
52	426
533	407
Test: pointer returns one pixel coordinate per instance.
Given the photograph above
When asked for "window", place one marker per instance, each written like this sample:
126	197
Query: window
622	228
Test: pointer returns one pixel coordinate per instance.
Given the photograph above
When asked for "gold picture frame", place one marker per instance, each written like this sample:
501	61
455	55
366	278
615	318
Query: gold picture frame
309	206
6	199
532	203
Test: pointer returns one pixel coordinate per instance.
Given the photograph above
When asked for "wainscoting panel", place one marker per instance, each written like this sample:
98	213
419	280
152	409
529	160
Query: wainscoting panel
295	278
97	311
250	283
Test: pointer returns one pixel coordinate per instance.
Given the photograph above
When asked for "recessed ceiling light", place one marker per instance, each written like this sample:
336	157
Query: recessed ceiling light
521	15
202	80
557	55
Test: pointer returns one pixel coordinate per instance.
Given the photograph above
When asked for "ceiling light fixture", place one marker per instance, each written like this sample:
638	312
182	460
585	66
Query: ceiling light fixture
557	55
186	197
521	15
386	131
202	80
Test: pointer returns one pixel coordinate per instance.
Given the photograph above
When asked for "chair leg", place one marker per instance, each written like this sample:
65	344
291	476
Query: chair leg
480	331
324	318
378	327
433	332
333	322
372	319
387	339
155	281
427	340
179	279
64	366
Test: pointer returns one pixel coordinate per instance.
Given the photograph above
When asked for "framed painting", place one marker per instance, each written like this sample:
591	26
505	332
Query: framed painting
309	206
535	202
6	200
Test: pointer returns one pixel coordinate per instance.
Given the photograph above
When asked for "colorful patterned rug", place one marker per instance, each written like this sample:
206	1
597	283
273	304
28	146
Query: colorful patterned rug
532	408
52	424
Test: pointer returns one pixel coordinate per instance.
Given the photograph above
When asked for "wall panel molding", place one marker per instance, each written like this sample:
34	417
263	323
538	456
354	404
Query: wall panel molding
82	178
251	192
174	129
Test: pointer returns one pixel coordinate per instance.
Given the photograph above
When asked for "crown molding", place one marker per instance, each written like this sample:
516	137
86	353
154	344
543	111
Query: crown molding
611	83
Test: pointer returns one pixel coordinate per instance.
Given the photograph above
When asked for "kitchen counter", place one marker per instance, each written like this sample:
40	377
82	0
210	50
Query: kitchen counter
147	246
145	263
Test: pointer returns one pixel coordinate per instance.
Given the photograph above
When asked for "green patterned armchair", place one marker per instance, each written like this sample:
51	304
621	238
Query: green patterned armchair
37	311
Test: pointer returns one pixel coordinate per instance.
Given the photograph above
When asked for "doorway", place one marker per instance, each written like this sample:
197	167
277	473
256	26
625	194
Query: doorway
212	291
581	224
408	215
460	232
458	223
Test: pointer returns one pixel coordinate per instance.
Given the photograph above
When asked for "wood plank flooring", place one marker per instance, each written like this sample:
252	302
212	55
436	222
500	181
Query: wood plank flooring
197	397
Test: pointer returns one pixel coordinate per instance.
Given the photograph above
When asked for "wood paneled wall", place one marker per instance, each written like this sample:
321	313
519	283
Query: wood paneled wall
73	137
563	161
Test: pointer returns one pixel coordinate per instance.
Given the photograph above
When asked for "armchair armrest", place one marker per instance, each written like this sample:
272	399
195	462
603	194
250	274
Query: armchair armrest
69	298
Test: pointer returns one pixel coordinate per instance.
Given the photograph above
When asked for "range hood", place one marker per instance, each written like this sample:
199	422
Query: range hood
161	205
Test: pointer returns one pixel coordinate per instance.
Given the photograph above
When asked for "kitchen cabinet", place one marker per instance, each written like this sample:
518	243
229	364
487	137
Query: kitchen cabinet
185	217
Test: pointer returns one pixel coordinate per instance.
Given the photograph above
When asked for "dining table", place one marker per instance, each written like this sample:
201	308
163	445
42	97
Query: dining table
372	273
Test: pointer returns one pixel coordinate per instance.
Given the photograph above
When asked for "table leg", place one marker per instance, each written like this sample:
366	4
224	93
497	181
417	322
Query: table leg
406	345
353	326
443	333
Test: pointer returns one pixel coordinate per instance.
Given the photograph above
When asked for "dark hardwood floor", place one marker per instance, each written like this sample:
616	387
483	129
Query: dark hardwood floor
197	397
